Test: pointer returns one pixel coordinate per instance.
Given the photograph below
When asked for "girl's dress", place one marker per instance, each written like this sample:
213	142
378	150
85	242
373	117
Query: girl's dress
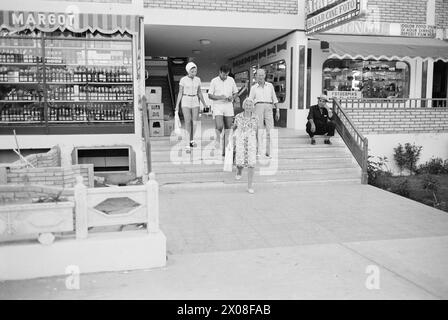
246	140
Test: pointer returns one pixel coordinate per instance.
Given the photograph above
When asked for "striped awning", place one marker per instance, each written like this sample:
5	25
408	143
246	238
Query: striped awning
75	22
384	48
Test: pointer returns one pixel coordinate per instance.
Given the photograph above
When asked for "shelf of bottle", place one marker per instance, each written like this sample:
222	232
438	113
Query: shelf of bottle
89	64
15	83
20	101
21	47
88	83
66	121
127	50
91	101
19	63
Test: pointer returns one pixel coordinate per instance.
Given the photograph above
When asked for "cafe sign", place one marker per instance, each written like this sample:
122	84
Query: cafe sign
325	14
42	20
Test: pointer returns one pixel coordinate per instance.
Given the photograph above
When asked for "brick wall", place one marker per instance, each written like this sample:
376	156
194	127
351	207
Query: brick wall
56	176
442	13
380	121
12	193
254	6
397	11
52	158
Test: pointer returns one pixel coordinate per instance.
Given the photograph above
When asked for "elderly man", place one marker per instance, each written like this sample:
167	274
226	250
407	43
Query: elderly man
320	120
263	95
223	92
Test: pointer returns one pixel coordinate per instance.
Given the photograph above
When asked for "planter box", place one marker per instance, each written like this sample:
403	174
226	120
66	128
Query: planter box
29	221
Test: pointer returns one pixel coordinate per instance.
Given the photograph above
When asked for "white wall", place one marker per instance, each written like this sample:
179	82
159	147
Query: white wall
434	145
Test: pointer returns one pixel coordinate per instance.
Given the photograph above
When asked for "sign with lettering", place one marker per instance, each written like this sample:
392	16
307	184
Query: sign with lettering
344	94
323	15
42	20
417	30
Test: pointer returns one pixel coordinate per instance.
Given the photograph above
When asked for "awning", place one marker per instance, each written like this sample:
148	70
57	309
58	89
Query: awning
384	48
75	22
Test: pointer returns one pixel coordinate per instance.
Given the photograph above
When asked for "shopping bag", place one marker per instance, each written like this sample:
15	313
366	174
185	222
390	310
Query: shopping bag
228	159
177	125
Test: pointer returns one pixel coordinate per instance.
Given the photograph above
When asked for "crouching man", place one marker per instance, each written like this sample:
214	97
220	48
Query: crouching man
320	120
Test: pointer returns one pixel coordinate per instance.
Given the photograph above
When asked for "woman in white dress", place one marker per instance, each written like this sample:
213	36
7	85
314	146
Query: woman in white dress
189	94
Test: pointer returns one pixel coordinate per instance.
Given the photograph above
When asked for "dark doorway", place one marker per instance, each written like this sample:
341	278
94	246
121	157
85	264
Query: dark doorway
440	83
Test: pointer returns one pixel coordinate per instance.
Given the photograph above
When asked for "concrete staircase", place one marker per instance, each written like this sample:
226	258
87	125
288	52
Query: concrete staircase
297	161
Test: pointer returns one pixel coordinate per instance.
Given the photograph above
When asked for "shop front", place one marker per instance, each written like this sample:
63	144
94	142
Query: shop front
71	74
398	70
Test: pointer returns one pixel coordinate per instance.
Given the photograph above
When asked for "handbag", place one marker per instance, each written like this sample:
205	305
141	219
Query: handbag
177	125
228	159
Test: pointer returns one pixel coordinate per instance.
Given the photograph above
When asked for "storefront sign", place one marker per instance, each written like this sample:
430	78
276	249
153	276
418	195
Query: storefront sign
334	15
344	94
42	20
417	30
76	22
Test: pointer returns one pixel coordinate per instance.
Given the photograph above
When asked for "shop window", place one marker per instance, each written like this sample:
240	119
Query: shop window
241	78
276	74
366	78
63	78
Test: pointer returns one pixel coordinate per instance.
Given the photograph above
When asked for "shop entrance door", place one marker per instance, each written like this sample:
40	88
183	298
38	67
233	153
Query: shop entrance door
440	83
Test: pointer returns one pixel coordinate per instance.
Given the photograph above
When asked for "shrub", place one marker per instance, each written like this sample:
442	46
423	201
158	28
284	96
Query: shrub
377	172
402	188
431	184
407	157
433	166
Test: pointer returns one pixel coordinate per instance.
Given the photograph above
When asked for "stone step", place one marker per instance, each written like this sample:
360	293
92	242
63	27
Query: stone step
229	177
293	153
329	163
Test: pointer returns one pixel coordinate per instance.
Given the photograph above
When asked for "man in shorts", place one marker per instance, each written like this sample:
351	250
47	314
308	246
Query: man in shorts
223	92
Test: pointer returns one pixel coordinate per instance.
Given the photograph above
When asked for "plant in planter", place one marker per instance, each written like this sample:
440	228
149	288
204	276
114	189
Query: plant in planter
378	172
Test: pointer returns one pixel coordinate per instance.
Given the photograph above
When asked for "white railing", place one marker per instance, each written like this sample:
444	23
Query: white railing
393	103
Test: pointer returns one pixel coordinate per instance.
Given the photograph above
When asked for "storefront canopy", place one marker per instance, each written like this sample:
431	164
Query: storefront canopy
384	48
75	22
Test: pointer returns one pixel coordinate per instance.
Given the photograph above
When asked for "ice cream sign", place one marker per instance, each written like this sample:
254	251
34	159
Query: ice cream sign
42	20
325	14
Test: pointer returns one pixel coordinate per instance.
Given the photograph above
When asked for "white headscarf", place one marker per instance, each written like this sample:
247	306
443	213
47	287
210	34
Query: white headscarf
189	66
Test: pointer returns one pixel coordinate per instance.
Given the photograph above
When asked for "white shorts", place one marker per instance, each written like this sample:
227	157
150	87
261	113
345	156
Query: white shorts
223	109
190	102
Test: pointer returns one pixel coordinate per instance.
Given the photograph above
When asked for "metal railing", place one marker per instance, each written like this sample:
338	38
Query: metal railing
394	103
355	141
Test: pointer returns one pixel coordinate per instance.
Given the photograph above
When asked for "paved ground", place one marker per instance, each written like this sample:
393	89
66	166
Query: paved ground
224	243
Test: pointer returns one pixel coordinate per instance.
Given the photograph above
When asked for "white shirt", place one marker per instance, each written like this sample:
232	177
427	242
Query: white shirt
190	85
264	93
219	88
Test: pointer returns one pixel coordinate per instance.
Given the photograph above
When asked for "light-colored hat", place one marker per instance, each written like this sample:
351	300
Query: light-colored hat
323	97
190	65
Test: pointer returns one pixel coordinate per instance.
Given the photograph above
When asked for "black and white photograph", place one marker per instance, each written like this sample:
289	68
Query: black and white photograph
238	153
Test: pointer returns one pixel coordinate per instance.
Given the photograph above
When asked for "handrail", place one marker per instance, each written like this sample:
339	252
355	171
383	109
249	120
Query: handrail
395	103
355	141
145	119
170	85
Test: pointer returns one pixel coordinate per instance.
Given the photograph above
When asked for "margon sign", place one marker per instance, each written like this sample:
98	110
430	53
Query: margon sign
324	14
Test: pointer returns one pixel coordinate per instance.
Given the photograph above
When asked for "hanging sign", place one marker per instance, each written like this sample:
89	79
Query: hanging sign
325	14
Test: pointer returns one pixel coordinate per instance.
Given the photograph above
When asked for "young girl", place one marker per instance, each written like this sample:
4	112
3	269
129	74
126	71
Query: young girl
245	128
190	93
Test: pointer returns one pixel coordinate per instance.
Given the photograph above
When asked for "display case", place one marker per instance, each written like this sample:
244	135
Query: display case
64	82
371	78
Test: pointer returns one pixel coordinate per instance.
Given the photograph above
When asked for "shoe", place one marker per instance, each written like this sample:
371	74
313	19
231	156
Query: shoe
193	144
238	177
268	156
327	141
251	190
313	141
